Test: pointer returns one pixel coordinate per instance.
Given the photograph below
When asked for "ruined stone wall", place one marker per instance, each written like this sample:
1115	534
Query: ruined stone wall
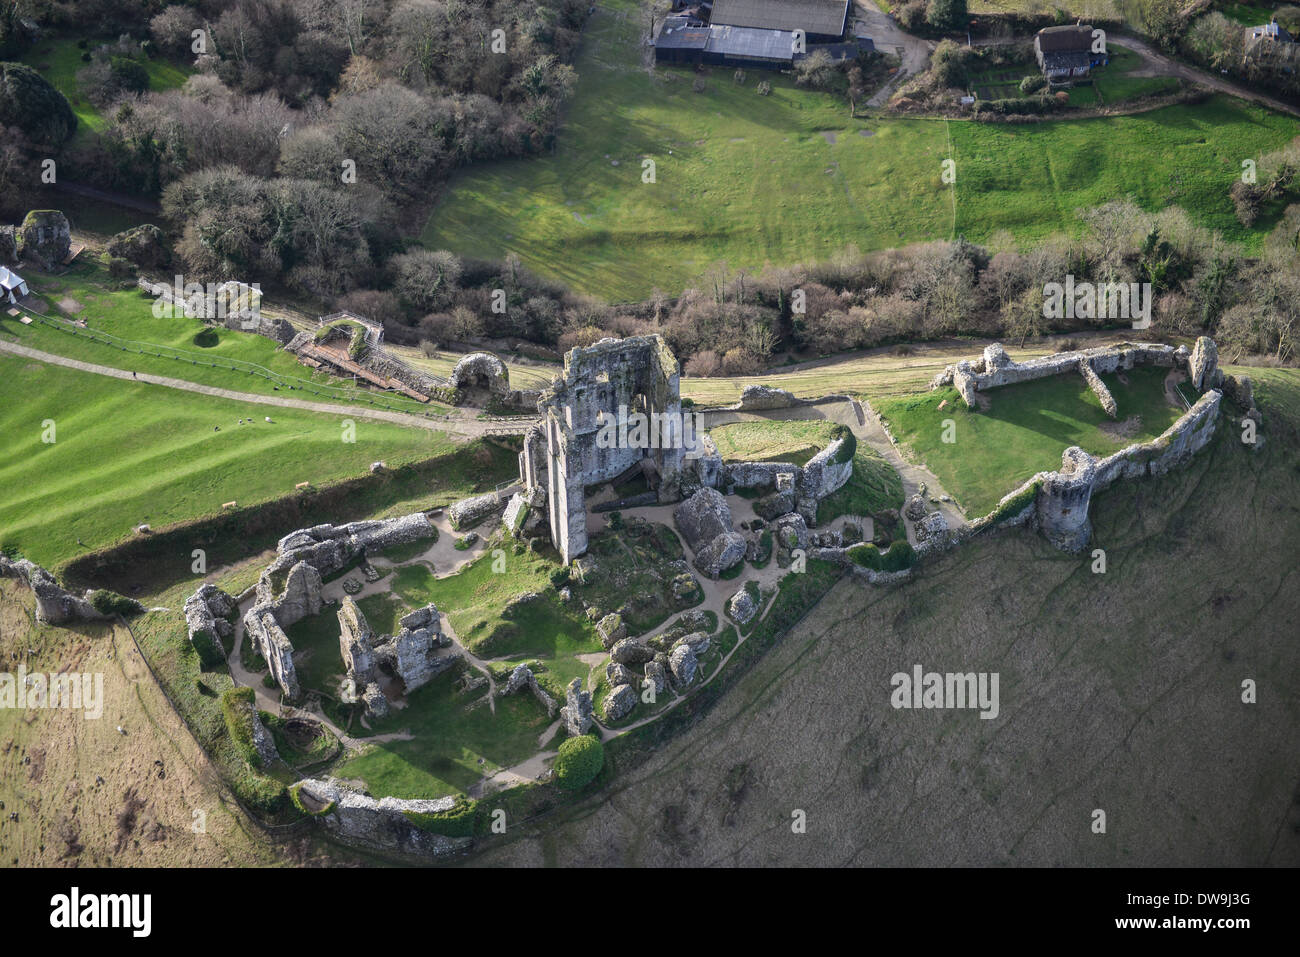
361	821
995	368
288	589
1171	449
820	477
55	605
1063	498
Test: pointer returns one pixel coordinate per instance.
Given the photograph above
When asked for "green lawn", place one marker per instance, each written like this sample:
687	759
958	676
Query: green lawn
1112	83
739	177
60	60
787	178
1024	430
475	597
317	657
873	487
1033	179
86	292
451	733
129	453
1247	14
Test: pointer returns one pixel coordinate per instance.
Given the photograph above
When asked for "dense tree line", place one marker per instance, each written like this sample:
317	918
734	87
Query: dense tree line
864	300
301	118
1210	39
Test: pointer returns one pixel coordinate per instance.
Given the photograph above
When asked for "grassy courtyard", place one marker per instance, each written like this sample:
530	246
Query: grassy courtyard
1024	430
452	730
748	180
127	453
475	601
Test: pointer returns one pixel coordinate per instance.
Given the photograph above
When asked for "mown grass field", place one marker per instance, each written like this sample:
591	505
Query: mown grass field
739	177
788	178
60	60
772	441
1024	430
86	292
1033	179
128	453
878	372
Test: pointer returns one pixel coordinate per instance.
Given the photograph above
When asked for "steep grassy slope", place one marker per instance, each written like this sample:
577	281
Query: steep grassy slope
125	454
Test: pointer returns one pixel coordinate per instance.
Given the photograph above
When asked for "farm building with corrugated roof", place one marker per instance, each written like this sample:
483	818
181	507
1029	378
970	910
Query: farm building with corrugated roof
822	21
687	40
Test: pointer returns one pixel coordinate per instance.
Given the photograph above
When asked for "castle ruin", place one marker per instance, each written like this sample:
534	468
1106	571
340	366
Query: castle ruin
562	454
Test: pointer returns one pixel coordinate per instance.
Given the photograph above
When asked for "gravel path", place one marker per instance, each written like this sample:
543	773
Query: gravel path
1160	65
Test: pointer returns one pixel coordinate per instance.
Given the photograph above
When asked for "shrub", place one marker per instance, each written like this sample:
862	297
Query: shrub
578	762
30	103
264	795
946	15
458	822
900	555
297	802
1033	83
237	707
111	603
130	74
1015	504
120	268
560	577
865	555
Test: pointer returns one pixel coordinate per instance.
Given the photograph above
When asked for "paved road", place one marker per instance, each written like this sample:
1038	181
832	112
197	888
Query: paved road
462	424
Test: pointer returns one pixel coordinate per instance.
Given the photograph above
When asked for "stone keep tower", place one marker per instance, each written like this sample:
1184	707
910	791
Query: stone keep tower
612	377
1063	501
